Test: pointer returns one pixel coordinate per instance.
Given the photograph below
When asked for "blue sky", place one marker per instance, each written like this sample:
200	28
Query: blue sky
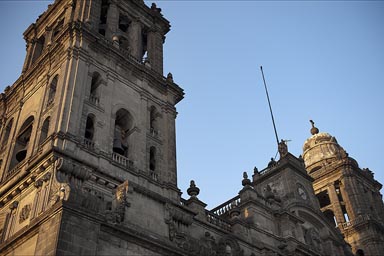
323	60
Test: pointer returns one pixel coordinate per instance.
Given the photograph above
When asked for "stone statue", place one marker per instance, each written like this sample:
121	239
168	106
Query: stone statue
283	148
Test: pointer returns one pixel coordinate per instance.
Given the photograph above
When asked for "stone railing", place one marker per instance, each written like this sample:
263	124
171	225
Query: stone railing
122	160
153	132
154	176
87	143
183	201
94	100
14	170
227	206
217	221
355	221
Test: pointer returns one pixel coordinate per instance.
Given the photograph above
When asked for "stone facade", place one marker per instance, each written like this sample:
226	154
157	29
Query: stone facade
88	153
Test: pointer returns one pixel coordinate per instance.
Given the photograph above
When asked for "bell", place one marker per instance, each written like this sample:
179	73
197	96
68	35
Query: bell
118	146
20	156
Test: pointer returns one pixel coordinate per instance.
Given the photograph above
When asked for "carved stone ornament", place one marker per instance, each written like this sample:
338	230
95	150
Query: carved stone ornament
312	238
283	148
205	246
229	246
24	213
117	214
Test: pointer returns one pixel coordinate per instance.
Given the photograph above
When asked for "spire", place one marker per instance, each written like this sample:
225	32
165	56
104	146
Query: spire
314	129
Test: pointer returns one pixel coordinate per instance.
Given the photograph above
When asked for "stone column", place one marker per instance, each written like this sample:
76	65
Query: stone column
155	50
92	13
337	211
135	39
28	56
350	193
112	20
69	12
48	36
170	144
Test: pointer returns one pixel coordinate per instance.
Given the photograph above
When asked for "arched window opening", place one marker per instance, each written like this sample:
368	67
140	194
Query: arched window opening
144	38
52	90
7	132
323	198
103	16
330	217
38	49
345	213
44	130
59	26
123	127
123	23
338	191
22	141
89	128
152	159
228	250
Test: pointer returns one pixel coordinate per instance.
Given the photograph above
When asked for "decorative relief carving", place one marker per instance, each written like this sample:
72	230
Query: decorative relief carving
312	238
24	213
117	213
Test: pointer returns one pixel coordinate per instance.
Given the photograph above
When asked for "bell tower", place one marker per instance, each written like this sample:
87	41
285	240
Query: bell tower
90	114
349	196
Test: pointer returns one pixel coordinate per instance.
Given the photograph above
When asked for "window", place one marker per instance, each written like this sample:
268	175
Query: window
144	45
44	130
228	250
152	159
330	217
89	128
153	120
22	141
52	90
338	191
323	198
345	213
7	132
94	94
103	17
123	129
57	29
38	49
123	23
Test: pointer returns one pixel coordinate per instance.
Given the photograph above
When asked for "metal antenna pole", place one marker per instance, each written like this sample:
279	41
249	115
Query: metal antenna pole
269	103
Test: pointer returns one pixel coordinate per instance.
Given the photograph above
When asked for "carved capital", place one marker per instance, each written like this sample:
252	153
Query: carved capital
13	205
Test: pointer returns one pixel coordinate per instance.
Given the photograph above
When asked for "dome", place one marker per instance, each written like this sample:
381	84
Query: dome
319	147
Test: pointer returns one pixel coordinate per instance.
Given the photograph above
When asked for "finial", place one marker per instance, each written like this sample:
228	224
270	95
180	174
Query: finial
170	77
314	129
193	191
245	180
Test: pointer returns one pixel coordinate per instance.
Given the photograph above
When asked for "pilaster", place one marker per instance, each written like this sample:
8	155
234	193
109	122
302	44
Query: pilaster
135	39
112	20
155	50
337	210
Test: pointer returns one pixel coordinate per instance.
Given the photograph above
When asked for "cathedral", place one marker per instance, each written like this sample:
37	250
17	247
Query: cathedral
88	157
